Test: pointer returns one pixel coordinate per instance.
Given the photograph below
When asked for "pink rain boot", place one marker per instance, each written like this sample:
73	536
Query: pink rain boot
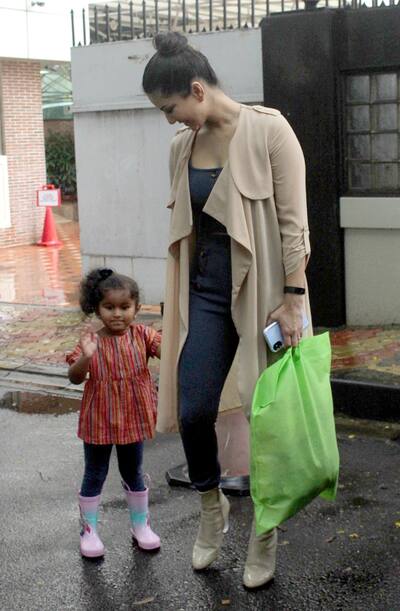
91	545
138	503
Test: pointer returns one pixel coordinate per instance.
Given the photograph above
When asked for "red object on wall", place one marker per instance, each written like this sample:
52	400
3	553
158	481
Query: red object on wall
49	196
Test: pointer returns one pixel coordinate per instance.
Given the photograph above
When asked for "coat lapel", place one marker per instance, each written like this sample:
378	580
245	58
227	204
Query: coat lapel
246	176
179	202
247	173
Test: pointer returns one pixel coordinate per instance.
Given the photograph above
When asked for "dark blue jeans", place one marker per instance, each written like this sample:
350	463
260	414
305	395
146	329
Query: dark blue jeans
97	460
206	359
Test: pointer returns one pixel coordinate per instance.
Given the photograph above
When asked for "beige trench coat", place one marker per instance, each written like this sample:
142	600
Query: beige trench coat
260	197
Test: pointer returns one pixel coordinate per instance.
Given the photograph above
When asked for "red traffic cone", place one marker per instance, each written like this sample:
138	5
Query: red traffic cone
49	235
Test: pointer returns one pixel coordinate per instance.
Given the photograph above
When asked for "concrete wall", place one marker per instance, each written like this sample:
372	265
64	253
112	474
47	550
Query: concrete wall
372	255
122	147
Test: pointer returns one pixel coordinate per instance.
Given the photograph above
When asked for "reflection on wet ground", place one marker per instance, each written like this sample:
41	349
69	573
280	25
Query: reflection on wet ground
37	403
43	275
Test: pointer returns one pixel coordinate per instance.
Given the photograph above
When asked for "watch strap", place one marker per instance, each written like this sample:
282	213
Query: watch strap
295	290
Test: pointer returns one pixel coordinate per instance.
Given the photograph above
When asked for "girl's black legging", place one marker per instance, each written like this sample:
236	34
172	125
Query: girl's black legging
97	460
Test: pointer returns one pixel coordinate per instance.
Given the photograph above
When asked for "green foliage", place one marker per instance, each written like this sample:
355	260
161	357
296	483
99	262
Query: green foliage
60	162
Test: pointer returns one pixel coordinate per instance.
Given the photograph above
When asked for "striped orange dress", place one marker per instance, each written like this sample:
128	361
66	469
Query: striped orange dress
119	400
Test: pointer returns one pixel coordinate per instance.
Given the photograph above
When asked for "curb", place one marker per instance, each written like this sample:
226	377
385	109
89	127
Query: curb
353	427
366	400
368	408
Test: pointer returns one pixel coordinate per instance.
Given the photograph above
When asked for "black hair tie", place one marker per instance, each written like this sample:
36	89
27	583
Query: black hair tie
105	273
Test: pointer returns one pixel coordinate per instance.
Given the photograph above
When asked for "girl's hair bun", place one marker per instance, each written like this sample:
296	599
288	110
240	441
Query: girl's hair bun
105	273
170	43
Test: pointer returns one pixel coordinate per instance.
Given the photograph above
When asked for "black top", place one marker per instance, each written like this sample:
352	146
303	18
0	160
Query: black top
201	183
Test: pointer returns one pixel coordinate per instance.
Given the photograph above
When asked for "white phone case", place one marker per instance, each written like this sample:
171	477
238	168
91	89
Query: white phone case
273	335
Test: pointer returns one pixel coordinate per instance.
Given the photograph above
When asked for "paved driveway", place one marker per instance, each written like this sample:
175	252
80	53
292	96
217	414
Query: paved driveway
332	556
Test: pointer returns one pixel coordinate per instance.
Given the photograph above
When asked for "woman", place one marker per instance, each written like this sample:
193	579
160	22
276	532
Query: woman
238	248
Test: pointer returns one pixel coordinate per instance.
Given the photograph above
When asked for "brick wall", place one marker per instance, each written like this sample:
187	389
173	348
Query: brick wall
23	140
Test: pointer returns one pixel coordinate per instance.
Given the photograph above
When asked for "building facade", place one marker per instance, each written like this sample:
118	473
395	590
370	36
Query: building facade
32	35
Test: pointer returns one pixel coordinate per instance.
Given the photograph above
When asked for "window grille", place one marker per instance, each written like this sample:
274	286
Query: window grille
372	115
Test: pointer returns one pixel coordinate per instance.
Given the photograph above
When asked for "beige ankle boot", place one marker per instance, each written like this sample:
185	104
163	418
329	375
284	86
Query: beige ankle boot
261	555
213	524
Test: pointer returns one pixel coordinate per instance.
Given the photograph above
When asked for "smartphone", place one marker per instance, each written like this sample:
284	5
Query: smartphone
273	335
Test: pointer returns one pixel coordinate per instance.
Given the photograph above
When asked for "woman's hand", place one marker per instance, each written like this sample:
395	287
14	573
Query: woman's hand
290	318
88	342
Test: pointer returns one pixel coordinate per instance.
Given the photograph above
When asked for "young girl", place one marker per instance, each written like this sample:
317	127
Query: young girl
118	404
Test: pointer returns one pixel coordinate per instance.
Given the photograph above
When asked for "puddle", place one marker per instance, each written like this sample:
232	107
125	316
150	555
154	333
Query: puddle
37	403
355	580
360	501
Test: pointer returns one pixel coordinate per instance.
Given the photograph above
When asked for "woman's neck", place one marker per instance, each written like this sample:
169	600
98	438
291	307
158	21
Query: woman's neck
224	111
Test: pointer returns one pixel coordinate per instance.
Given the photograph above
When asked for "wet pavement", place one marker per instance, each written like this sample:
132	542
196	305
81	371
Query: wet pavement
26	402
43	275
332	556
367	353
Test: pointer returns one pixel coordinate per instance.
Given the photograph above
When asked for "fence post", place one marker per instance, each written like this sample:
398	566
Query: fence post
96	24
197	16
144	18
156	11
107	16
119	20
84	26
131	17
73	28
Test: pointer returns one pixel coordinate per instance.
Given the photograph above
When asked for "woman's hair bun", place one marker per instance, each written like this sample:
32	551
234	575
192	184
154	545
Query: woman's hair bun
170	43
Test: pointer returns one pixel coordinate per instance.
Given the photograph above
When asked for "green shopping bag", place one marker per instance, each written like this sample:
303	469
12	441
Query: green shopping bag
294	454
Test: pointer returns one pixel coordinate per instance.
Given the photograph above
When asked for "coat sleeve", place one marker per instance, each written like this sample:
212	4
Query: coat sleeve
288	172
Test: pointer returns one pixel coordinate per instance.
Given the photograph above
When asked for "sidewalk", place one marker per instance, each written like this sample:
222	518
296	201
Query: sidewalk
40	321
35	339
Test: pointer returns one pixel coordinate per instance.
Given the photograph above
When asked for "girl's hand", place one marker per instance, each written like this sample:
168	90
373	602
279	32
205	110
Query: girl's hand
88	342
290	318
